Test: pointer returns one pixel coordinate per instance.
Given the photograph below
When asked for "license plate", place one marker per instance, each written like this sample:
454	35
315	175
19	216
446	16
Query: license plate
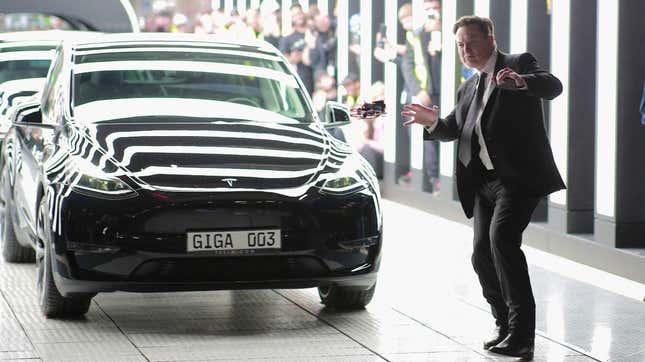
233	241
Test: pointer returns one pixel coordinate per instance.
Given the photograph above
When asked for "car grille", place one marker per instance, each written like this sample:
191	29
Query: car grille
229	269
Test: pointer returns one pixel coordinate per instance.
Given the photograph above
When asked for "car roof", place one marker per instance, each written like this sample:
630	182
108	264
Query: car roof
45	35
24	40
119	40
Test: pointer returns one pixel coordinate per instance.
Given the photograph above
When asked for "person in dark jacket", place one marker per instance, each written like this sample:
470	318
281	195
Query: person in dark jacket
505	165
303	50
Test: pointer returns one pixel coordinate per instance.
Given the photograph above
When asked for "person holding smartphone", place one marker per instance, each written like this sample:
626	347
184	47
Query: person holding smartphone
505	165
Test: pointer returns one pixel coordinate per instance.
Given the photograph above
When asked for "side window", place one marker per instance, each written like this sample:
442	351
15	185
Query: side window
49	92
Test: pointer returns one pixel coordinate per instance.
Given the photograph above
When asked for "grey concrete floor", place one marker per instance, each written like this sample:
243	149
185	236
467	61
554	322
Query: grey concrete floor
428	307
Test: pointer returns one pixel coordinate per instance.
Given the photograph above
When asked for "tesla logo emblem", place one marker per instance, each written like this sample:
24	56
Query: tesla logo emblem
229	181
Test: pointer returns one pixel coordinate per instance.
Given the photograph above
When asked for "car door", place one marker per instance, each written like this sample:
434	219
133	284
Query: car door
30	142
33	143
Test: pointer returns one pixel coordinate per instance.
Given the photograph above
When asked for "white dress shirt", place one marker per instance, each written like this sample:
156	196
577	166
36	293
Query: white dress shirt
489	69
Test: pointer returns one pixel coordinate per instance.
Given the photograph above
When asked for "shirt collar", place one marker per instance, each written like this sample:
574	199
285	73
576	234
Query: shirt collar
489	68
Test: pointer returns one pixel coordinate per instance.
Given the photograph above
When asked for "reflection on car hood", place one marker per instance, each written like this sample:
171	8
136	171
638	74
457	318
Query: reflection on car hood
115	110
218	155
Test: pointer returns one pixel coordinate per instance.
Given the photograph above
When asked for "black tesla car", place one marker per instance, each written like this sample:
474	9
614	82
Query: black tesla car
159	162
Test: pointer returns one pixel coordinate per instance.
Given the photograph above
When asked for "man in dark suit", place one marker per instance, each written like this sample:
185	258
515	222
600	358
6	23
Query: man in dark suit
505	165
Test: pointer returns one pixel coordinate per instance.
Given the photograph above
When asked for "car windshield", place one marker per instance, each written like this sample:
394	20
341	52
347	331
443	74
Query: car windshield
22	69
226	79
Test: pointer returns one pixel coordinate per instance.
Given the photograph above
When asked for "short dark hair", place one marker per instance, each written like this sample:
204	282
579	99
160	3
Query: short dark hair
485	25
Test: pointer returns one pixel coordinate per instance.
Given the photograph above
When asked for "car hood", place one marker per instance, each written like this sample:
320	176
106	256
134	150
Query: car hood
168	153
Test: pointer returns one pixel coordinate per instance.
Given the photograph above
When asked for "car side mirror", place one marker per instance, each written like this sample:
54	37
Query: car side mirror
336	114
29	114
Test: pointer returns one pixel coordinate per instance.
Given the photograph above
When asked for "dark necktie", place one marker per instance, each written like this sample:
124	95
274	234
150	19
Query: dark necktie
466	139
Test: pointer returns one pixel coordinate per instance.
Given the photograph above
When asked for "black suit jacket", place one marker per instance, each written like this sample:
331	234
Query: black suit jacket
513	129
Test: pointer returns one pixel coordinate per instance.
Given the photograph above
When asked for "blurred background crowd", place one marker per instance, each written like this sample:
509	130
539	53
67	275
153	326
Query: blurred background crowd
309	43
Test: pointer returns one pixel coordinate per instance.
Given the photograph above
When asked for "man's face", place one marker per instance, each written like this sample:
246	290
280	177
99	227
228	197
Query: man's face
299	19
433	15
352	88
406	22
474	46
323	23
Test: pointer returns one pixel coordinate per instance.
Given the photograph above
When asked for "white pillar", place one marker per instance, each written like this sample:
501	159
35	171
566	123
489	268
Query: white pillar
416	131
482	8
606	99
323	5
560	28
286	17
366	48
228	6
448	64
255	4
342	33
391	79
304	5
241	7
519	17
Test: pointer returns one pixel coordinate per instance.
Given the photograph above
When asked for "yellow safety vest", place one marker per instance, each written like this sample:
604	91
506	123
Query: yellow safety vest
351	101
420	69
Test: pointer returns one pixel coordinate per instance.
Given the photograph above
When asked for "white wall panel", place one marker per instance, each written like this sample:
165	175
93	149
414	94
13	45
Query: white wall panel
366	48
482	8
560	46
519	13
323	5
448	54
391	79
606	92
416	131
286	17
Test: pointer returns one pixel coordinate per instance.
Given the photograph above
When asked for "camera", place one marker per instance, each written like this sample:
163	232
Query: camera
369	110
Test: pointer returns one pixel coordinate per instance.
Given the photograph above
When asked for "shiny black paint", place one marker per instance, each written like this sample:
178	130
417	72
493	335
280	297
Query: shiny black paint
151	227
138	243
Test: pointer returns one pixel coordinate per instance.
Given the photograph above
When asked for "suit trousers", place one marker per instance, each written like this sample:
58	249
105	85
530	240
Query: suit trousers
500	216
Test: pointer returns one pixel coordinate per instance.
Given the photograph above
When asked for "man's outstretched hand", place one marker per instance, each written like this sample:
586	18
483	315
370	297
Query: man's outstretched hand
420	114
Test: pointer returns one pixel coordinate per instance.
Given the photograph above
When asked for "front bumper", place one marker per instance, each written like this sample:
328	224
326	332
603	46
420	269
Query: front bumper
140	244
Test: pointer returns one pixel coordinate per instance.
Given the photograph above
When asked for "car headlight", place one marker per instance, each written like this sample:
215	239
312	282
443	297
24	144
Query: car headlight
91	179
102	184
347	180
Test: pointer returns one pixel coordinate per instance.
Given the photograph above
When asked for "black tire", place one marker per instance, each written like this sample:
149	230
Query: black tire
52	303
12	251
349	298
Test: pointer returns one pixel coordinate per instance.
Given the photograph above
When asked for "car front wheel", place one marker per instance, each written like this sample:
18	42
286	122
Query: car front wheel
340	297
52	303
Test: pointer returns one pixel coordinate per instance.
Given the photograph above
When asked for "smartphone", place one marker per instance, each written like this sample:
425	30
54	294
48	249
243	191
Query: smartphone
382	29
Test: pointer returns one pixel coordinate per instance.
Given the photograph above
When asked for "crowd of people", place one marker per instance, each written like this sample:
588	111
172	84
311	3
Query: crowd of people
310	48
310	45
419	61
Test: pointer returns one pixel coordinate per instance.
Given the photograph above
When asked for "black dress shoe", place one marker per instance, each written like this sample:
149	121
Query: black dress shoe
497	336
515	347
